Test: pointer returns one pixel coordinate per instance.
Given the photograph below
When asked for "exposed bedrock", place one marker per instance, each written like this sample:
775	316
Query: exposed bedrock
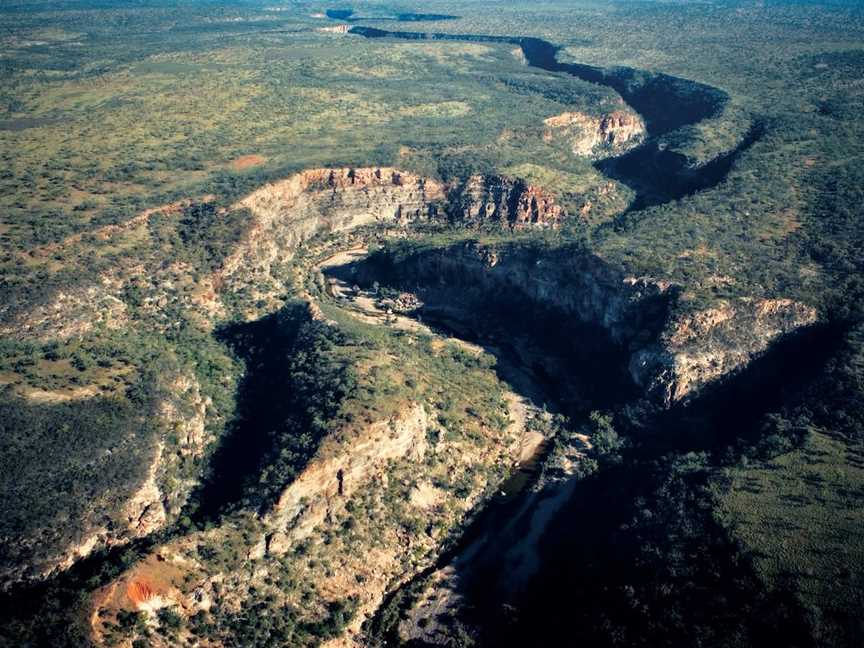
288	212
596	136
669	354
284	214
505	201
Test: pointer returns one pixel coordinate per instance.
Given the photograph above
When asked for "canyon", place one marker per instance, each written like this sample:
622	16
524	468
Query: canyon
602	336
587	334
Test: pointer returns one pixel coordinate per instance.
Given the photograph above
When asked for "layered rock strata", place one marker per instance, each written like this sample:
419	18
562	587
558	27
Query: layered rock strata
596	136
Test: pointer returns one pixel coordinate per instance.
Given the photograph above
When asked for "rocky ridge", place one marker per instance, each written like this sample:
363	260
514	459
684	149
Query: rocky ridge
369	471
699	348
507	202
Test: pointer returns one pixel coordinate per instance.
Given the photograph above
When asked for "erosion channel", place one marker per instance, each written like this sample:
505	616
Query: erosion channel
553	367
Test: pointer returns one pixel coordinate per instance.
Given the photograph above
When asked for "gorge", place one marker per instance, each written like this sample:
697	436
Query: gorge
585	336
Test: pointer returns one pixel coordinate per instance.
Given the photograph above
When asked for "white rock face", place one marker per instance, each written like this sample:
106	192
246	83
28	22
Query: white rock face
305	503
596	136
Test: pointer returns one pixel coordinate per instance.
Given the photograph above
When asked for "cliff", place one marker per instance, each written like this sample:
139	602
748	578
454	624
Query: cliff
596	136
507	202
672	354
285	214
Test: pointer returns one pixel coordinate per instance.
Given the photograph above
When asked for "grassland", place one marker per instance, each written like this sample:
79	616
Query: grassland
798	517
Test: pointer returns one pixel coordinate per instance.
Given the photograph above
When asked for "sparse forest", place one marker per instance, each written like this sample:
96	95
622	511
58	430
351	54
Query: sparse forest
175	356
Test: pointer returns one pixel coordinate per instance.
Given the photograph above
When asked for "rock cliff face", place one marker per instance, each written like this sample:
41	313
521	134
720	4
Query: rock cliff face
511	203
286	213
308	500
597	137
699	348
672	355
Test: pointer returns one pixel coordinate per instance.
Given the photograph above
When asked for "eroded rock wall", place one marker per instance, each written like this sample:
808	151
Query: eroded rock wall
504	201
286	213
596	136
673	353
699	348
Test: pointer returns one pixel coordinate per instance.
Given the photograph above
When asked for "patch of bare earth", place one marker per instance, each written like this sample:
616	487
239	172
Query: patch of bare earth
247	162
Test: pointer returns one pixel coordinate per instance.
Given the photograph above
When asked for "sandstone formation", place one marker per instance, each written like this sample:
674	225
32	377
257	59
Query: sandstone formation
596	136
697	349
334	29
507	202
286	213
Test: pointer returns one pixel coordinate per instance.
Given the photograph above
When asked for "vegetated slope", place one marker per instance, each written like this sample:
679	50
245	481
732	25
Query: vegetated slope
117	469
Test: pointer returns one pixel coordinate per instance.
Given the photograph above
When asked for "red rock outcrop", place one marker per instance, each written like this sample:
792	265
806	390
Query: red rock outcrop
508	202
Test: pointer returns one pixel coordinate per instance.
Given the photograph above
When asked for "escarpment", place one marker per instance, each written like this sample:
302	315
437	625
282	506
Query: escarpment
670	355
285	214
507	202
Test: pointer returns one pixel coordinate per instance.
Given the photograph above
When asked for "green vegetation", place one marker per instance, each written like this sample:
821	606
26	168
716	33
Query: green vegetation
798	516
709	530
61	449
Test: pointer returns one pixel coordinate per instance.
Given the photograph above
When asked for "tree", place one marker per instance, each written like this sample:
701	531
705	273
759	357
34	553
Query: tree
604	439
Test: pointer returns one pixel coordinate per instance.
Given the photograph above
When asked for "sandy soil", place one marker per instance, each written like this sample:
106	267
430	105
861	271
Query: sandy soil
247	162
